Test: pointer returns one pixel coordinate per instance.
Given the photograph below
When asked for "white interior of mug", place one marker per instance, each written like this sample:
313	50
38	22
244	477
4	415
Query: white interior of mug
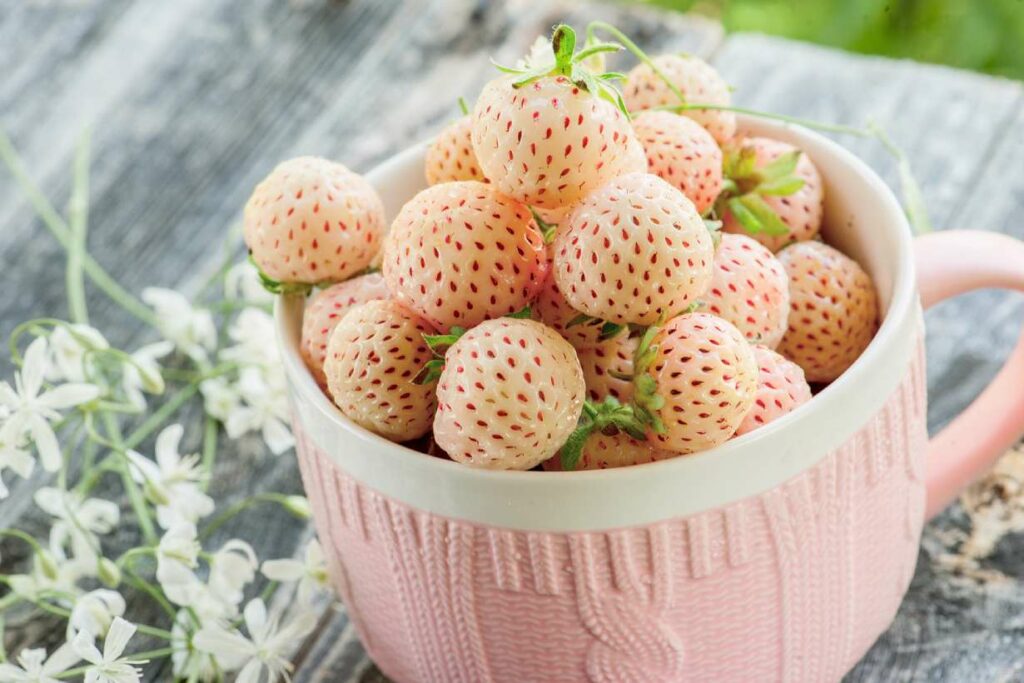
862	218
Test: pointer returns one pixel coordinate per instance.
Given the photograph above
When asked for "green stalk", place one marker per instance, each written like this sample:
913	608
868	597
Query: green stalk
807	123
149	589
160	415
209	449
78	217
637	52
242	505
138	503
59	229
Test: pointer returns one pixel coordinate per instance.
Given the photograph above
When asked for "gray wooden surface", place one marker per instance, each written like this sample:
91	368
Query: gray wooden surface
192	101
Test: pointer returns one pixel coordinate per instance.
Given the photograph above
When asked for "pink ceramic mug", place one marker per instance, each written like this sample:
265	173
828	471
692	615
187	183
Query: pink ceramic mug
780	556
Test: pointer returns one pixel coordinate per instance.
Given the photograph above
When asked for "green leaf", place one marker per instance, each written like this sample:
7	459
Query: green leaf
595	49
547	230
610	331
781	167
524	313
572	449
581	319
563	44
782	187
275	287
742	163
745	216
769	220
430	372
439	342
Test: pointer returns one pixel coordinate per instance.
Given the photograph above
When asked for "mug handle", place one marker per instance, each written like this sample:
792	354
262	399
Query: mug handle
955	262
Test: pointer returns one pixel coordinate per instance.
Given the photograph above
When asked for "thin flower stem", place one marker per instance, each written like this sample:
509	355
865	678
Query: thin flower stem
161	415
209	449
59	229
130	555
19	534
149	655
637	52
150	590
242	505
9	601
807	123
138	503
78	218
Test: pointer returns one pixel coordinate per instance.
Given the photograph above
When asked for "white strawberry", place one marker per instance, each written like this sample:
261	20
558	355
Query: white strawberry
325	309
551	135
510	394
460	253
313	220
750	289
781	388
686	75
633	252
833	310
684	154
373	357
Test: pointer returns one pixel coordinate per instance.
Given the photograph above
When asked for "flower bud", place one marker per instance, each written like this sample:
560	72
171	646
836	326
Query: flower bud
108	572
47	564
298	506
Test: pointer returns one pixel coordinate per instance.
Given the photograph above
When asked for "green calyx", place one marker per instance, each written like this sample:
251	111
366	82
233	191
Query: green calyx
608	330
646	399
574	66
438	344
276	287
746	186
598	417
547	230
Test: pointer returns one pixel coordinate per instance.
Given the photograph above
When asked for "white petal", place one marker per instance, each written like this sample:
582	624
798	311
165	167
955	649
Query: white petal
277	436
167	446
68	395
8	396
283	570
62	659
18	460
250	673
120	633
46	443
142	467
85	648
255	617
34	368
220	642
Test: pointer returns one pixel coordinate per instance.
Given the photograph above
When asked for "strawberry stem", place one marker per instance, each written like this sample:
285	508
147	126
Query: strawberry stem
595	26
463	106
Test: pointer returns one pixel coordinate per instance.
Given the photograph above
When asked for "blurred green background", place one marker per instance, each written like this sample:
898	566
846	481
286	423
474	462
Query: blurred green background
983	35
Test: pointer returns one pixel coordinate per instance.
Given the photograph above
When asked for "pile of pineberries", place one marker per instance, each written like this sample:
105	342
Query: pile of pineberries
602	272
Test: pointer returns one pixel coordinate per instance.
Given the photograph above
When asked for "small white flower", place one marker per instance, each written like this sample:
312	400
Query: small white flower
310	573
172	482
17	460
231	569
265	409
31	412
94	612
142	375
79	521
188	663
220	400
253	334
190	329
69	345
50	577
242	283
265	647
35	667
176	557
109	666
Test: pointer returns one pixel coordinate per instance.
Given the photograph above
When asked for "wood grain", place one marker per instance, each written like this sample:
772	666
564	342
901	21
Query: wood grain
191	102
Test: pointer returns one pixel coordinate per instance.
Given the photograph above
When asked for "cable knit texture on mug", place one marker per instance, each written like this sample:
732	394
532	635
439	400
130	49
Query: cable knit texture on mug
791	585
